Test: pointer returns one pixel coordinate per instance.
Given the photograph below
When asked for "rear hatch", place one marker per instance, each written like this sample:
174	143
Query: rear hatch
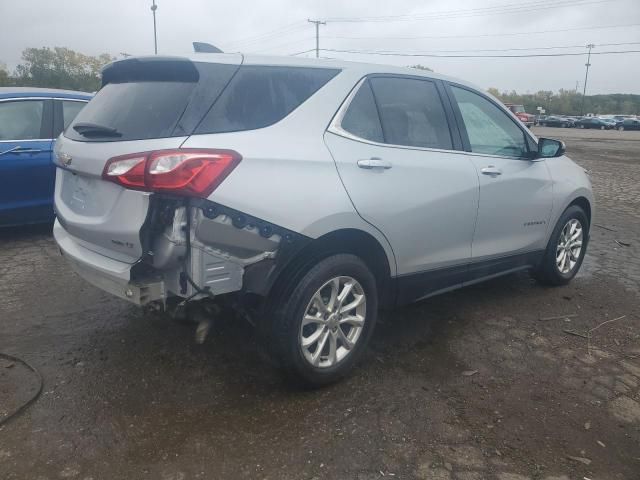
145	104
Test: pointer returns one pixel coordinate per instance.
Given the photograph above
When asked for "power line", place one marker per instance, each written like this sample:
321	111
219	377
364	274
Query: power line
416	37
285	44
463	13
403	54
286	29
513	49
300	53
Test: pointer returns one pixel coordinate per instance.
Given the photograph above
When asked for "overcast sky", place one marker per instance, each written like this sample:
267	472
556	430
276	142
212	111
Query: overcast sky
114	26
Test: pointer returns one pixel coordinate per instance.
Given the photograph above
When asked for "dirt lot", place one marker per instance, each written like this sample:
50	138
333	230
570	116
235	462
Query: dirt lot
476	384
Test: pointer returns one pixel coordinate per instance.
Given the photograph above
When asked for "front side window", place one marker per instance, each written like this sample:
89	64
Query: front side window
21	120
490	130
411	112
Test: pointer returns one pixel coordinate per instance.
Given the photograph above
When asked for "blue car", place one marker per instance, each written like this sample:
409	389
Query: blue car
30	121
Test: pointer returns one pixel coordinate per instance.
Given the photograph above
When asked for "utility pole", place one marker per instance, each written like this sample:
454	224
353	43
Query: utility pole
317	23
586	76
577	85
154	7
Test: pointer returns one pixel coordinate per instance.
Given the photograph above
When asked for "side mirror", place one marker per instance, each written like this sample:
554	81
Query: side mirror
549	148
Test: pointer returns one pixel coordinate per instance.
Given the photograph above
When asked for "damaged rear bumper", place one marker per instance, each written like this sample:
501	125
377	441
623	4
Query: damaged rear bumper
191	252
107	274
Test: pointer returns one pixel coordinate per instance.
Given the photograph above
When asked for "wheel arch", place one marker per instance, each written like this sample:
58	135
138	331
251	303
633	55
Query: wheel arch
360	243
583	203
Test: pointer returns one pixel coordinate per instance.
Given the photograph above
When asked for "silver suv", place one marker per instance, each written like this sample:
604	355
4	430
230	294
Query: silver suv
310	193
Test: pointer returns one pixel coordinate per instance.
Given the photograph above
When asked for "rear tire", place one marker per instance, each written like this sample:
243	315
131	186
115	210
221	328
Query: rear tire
313	312
564	253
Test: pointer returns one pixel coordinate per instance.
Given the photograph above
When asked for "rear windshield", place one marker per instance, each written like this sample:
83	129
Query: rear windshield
148	100
259	96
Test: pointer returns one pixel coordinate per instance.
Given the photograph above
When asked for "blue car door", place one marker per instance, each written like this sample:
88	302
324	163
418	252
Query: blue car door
26	169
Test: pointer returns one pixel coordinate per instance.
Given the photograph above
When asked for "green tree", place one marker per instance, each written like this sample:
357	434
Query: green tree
5	79
569	102
60	67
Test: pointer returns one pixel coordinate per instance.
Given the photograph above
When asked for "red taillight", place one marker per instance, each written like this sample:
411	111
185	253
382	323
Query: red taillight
191	172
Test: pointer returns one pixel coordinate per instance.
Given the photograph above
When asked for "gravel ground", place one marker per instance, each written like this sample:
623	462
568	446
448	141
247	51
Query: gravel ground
475	384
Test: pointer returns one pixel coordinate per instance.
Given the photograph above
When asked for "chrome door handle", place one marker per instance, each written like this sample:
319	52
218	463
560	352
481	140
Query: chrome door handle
374	163
14	149
19	149
27	150
491	170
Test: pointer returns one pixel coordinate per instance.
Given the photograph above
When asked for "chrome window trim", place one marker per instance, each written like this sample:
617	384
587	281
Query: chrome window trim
18	99
335	127
28	140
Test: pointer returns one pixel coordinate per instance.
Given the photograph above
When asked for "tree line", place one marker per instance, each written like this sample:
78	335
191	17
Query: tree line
61	67
56	67
569	102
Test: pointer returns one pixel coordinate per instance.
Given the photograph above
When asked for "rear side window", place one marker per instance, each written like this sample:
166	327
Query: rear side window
411	112
362	118
490	130
150	99
70	110
259	96
21	120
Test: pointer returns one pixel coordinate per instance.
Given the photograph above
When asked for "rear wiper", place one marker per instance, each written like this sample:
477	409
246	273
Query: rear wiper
93	129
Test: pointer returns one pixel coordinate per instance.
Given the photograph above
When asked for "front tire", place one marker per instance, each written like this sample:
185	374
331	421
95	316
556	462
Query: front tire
566	248
321	322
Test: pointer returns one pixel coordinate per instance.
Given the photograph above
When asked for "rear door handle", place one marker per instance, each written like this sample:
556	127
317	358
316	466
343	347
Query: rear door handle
374	163
491	170
11	150
19	149
27	150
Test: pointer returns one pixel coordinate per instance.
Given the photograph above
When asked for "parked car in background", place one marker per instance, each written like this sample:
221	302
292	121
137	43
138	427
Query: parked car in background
309	193
539	119
611	121
518	110
594	122
30	120
557	121
628	124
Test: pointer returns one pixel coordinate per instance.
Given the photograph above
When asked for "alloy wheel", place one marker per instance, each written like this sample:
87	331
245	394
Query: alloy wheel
569	246
333	322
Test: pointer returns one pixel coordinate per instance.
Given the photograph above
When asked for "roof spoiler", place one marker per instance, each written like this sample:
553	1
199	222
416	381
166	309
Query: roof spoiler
202	47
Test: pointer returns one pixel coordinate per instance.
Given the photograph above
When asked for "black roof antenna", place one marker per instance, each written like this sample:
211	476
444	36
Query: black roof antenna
202	47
